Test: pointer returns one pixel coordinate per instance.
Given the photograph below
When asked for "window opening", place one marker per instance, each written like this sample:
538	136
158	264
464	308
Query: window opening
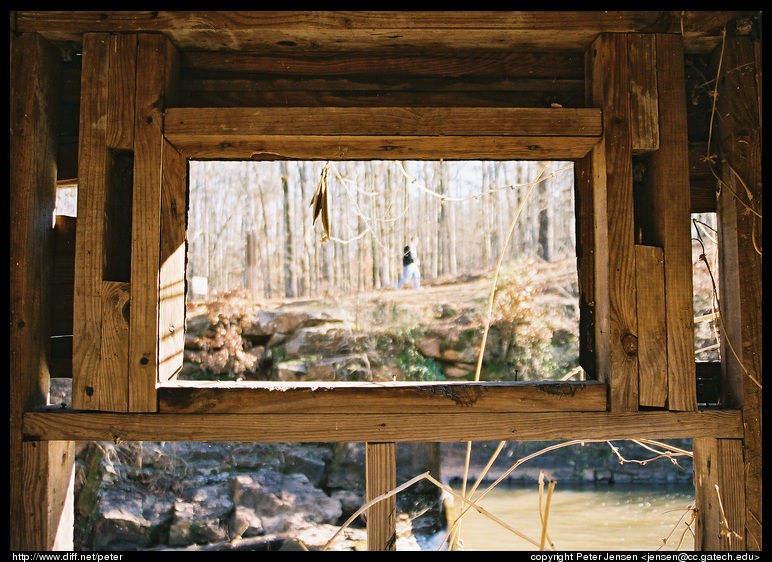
707	321
268	299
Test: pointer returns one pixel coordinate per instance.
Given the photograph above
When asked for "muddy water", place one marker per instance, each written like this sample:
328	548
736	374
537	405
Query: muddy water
589	517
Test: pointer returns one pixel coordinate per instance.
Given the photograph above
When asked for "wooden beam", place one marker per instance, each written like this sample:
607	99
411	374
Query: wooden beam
200	397
173	259
384	132
613	221
671	220
652	332
740	239
40	477
100	378
719	486
61	424
156	66
381	478
367	147
644	95
282	31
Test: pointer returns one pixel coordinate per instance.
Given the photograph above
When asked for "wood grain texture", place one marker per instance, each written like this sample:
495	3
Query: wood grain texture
381	478
155	66
381	121
34	90
741	230
719	484
609	90
652	330
382	132
439	397
171	335
555	31
671	215
367	147
644	97
121	86
357	426
89	375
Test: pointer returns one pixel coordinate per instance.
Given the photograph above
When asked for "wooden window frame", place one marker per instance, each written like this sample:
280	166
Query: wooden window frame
357	134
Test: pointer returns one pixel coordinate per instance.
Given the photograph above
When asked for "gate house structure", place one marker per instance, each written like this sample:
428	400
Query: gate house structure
117	103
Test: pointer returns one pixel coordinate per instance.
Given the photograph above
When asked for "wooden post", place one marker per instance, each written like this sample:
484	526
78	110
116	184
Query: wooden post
606	184
381	475
157	64
738	148
719	485
670	214
41	508
101	300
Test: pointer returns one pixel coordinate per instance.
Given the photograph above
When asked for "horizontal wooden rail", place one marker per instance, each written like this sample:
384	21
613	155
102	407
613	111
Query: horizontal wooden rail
63	425
383	132
354	398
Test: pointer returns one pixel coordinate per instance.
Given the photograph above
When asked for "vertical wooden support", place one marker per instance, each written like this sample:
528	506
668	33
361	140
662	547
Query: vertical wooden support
609	168
738	147
719	500
381	475
670	215
652	332
157	63
171	344
40	473
644	109
101	298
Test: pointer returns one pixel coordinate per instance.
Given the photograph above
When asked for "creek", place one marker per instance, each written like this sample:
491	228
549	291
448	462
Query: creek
589	517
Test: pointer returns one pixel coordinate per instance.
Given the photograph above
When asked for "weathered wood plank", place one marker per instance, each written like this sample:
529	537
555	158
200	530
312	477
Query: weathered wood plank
591	259
171	344
439	397
719	485
121	86
48	492
383	132
367	69
310	147
702	180
245	123
652	332
114	342
671	220
644	102
37	491
61	424
539	95
740	238
558	31
608	72
156	63
381	477
92	379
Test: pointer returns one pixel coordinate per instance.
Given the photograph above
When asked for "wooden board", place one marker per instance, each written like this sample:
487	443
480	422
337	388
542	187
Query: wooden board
354	425
383	132
171	335
381	478
156	63
608	73
40	476
435	397
670	211
652	329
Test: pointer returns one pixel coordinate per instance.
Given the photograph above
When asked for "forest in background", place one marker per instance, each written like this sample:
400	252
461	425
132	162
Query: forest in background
251	226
